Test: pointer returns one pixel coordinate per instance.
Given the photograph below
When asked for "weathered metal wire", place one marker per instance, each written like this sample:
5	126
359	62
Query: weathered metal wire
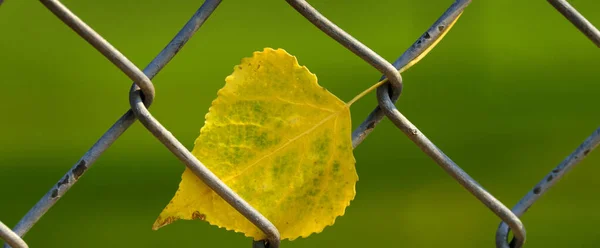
577	156
419	47
209	178
401	122
432	35
577	19
142	95
120	126
362	51
11	237
415	135
548	181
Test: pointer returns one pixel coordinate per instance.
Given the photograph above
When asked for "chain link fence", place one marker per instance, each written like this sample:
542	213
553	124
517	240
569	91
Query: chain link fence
142	95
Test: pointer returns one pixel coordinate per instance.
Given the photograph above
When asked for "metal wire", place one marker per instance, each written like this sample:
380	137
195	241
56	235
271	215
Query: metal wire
362	51
142	94
420	46
186	157
11	237
548	181
415	135
404	124
577	19
577	156
143	84
401	122
432	35
117	129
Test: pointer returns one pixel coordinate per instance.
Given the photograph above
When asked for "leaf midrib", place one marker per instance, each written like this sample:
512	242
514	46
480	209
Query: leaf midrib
334	114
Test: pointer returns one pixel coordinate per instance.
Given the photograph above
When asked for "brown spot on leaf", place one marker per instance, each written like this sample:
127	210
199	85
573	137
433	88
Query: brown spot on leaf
163	222
198	216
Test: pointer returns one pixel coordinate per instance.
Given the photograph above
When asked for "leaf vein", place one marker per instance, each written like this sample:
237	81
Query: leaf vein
285	144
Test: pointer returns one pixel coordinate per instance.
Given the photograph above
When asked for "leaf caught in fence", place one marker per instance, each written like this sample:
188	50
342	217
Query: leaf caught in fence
280	141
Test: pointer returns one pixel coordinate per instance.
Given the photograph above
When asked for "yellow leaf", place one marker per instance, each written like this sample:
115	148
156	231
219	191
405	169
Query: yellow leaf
279	140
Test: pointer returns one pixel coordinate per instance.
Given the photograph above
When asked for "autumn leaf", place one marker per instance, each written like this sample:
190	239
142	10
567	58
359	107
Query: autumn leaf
280	141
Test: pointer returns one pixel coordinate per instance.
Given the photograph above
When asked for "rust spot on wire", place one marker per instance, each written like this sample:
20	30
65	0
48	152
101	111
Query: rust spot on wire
550	177
79	169
371	125
537	190
54	193
585	153
441	28
64	181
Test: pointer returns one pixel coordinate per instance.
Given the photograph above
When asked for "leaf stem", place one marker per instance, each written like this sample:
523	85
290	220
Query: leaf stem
367	91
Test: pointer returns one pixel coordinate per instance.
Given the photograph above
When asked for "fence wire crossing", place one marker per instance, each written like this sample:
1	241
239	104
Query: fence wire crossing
142	95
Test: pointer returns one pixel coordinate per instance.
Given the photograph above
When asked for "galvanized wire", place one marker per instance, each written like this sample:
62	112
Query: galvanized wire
11	237
577	19
144	89
415	135
120	126
548	181
142	95
420	46
362	51
577	156
386	103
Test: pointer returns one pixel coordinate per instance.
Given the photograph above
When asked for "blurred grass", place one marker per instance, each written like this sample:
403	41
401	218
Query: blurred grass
508	94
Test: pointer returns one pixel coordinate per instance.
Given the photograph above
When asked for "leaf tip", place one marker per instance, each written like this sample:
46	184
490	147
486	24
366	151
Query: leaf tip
160	222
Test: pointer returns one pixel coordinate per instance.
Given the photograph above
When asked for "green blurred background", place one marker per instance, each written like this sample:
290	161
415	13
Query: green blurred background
510	92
